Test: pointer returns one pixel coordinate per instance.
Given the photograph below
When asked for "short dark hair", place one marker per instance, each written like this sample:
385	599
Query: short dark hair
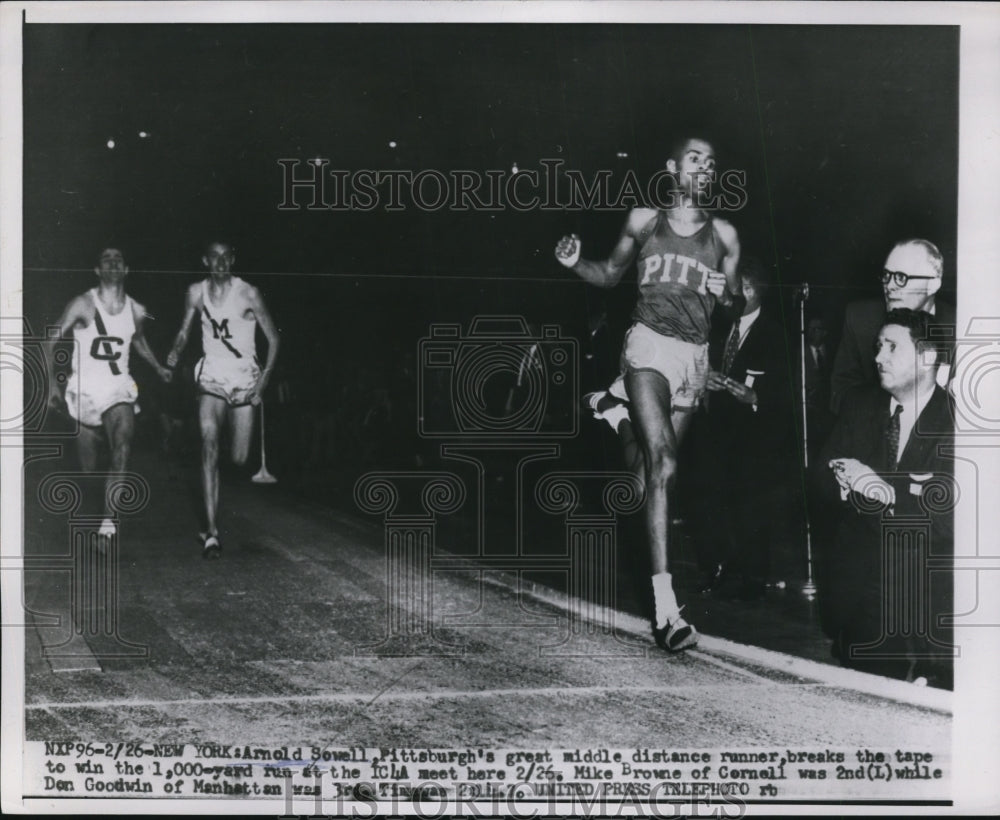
111	247
679	143
918	323
756	272
209	242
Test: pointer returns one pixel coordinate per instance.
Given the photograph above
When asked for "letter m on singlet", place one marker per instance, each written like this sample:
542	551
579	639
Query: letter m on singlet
220	330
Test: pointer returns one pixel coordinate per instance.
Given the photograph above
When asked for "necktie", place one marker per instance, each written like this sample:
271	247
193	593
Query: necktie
820	361
892	437
732	347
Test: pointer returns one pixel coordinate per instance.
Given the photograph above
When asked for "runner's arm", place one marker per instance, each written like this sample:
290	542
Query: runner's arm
141	345
270	330
78	312
730	262
606	273
191	305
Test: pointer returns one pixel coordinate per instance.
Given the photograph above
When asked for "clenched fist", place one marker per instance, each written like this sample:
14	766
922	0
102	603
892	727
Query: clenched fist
568	250
716	283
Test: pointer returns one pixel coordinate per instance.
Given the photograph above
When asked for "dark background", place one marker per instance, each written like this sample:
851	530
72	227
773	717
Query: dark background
848	136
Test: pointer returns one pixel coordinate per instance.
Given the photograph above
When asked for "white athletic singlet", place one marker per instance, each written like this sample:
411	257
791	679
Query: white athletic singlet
103	346
100	377
226	334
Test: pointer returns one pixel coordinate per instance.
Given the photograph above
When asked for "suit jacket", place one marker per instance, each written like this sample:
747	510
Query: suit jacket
854	364
856	546
762	438
817	380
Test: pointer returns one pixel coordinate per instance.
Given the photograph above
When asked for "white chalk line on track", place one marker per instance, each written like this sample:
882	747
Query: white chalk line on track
709	646
729	667
813	673
401	697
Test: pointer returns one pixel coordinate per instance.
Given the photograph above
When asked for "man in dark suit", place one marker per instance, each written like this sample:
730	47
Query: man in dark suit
910	279
887	580
817	392
746	446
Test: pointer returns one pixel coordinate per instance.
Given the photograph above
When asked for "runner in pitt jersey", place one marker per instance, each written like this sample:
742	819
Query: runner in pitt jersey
229	380
687	261
106	324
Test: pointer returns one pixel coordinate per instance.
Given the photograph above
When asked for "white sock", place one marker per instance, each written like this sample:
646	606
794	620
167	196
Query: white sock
615	415
664	602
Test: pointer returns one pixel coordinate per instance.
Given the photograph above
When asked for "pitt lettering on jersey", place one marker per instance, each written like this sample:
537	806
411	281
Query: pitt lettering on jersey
680	270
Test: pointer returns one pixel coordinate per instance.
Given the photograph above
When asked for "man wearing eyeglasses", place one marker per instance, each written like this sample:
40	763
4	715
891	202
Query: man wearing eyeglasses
911	278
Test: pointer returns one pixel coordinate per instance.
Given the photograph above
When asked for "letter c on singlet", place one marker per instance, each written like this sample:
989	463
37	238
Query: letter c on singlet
100	348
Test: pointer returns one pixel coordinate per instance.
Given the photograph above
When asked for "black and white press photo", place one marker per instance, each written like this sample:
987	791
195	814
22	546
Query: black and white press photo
490	408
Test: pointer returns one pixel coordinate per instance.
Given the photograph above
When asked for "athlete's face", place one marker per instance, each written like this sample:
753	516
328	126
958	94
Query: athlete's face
219	259
895	358
111	265
917	293
695	167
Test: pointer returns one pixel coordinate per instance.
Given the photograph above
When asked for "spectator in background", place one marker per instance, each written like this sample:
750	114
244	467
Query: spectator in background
886	471
910	279
817	393
745	448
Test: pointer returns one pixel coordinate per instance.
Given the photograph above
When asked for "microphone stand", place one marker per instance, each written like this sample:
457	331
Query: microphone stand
262	476
802	294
